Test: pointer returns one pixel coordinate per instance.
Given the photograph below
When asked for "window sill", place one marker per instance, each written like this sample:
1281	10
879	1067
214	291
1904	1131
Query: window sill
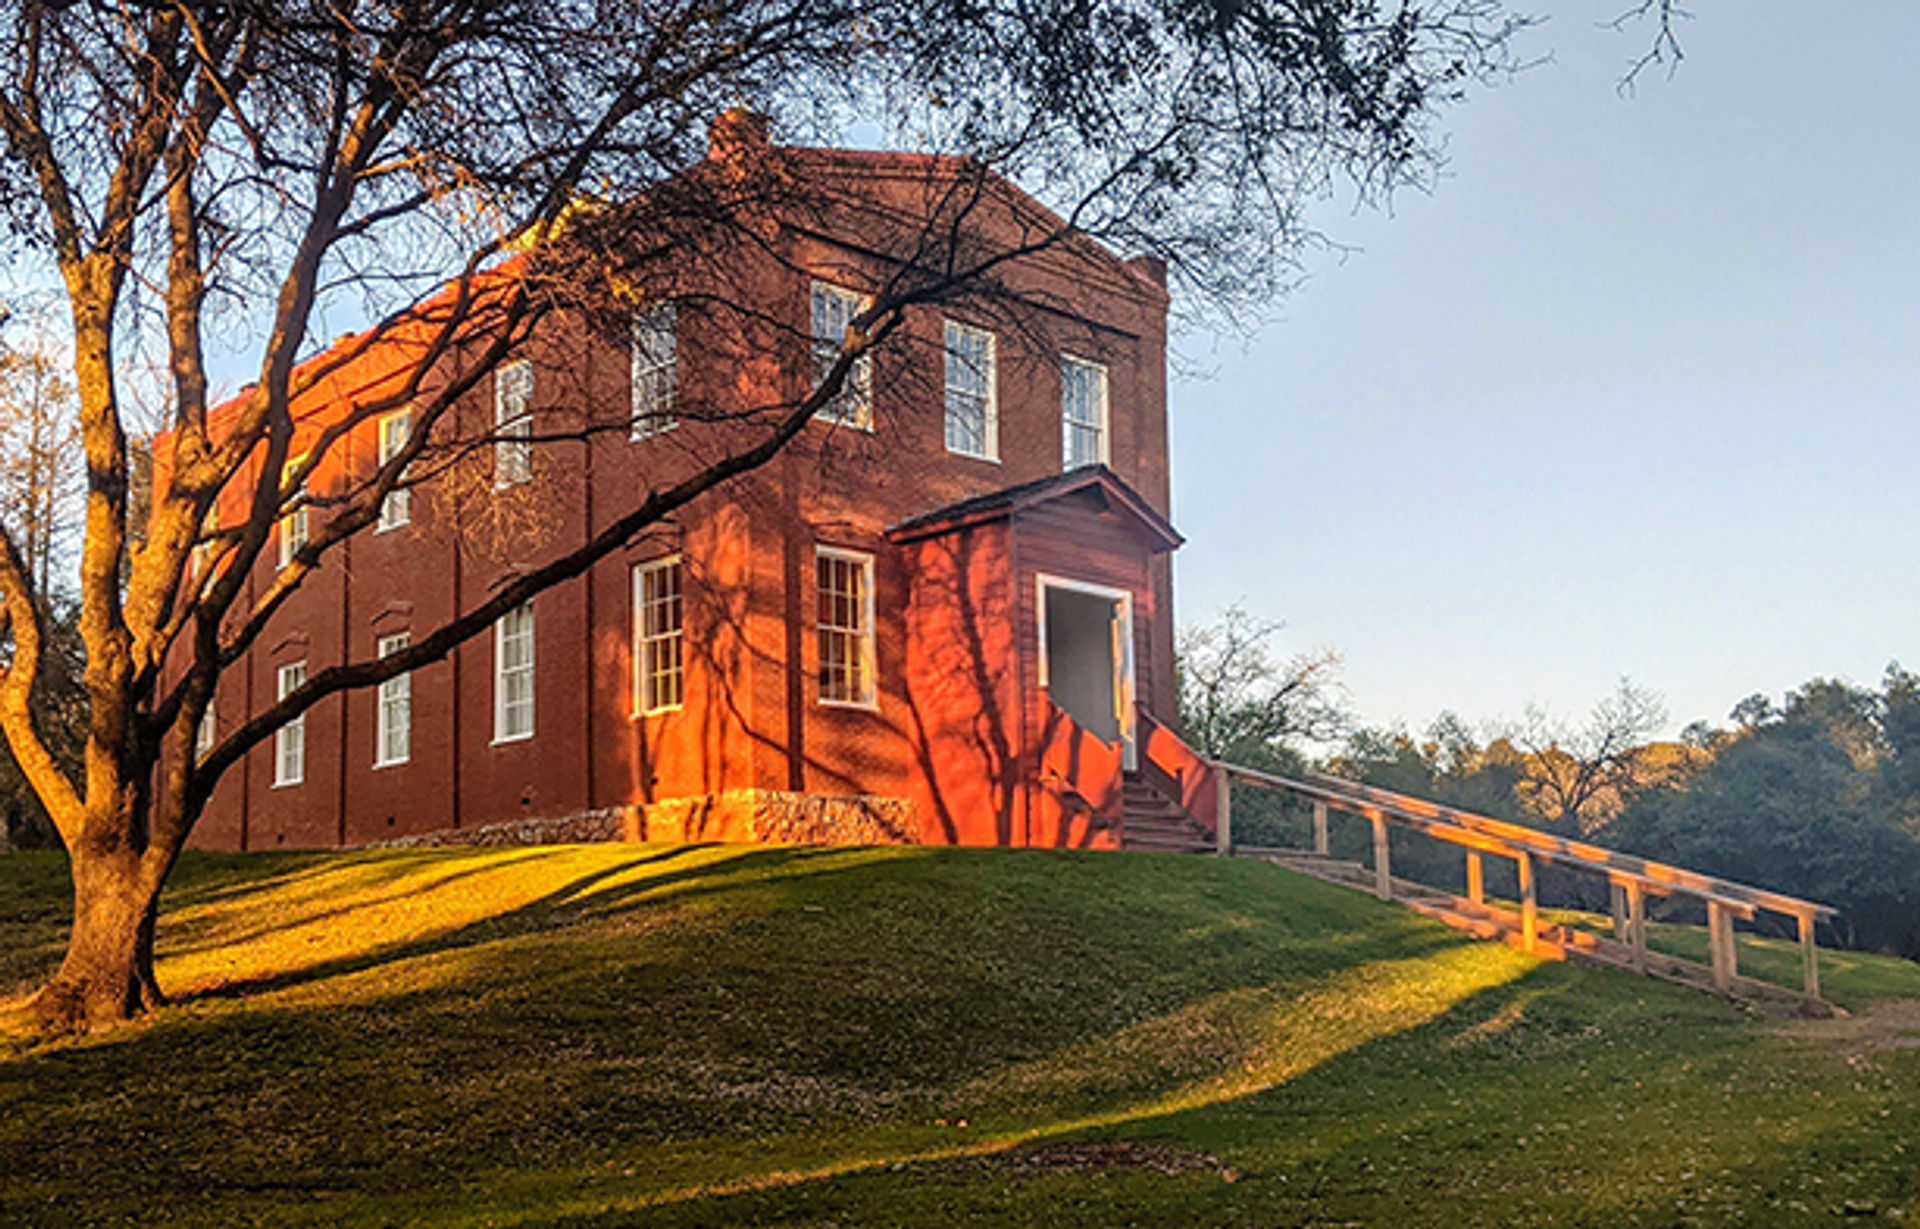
644	713
857	706
823	420
500	740
379	764
289	784
973	456
380	529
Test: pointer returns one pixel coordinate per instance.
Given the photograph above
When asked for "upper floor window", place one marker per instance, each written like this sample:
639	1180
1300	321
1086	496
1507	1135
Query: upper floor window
393	720
844	583
973	418
293	523
1083	413
207	734
396	509
658	636
656	370
513	675
290	740
513	423
833	313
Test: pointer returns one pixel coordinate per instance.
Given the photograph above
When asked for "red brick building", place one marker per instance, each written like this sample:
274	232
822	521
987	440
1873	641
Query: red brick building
941	614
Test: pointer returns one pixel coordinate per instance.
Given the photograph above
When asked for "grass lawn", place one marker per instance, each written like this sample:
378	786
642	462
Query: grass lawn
605	1036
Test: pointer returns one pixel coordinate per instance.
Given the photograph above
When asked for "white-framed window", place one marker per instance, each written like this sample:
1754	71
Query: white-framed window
396	509
207	733
290	740
973	404
1083	413
293	524
513	675
844	584
659	643
513	423
393	720
656	369
833	313
199	564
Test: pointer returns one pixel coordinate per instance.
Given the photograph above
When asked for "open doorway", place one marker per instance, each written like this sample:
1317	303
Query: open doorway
1086	657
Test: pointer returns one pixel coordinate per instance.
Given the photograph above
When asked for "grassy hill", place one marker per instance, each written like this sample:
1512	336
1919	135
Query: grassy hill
629	1035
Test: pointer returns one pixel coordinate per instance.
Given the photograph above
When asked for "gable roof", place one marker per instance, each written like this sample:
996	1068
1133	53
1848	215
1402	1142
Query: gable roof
1008	501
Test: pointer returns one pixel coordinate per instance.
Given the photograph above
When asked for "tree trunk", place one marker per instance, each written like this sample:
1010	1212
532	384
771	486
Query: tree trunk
107	975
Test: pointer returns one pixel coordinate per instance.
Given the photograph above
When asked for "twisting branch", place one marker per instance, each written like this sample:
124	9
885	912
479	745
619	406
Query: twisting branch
20	616
1665	47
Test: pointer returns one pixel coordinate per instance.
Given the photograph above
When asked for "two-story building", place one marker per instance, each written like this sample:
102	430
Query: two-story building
943	613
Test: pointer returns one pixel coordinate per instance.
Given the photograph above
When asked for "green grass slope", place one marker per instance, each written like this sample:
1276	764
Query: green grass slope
694	1036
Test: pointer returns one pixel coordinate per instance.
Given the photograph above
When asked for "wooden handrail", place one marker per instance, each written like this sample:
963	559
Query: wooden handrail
1631	875
1651	873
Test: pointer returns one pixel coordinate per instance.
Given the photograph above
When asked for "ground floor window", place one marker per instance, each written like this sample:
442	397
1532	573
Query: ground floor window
290	741
658	640
513	675
393	736
844	582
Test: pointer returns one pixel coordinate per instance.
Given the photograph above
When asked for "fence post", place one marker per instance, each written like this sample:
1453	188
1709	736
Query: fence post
1382	868
1476	878
1529	903
1321	845
1726	961
1637	924
1619	898
1223	812
1809	954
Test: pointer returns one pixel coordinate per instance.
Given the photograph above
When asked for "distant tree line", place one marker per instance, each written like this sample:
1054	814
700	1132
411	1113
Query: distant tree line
1817	795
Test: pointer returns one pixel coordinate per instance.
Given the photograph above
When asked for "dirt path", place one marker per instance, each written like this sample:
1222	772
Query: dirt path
1892	1025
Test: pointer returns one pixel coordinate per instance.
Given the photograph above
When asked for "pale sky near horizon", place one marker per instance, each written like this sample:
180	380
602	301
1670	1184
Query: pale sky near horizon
1632	392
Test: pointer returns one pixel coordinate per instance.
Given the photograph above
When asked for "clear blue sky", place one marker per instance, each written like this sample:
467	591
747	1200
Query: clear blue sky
1633	391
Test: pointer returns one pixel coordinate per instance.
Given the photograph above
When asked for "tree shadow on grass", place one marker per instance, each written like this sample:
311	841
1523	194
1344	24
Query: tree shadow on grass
792	1019
1437	1124
566	903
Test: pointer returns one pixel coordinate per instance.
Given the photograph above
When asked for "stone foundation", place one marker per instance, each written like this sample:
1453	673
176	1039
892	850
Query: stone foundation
747	816
582	828
776	816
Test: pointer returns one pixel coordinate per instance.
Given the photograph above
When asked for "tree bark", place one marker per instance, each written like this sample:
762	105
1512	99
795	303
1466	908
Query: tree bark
107	975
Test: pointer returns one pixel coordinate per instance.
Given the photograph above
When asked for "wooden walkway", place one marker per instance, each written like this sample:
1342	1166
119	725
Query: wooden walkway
1632	880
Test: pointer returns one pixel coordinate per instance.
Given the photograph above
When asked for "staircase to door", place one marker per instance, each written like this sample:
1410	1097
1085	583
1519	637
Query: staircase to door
1155	823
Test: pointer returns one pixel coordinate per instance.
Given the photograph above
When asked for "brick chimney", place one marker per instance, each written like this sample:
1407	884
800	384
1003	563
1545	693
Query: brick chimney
736	133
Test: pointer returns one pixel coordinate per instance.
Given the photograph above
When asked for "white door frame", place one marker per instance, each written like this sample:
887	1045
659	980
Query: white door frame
1123	690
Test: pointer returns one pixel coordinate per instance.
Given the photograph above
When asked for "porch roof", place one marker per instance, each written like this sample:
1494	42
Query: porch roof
996	505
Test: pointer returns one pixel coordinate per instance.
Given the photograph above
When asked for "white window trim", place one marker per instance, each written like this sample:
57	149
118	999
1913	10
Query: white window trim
297	726
859	381
1129	700
207	735
640	639
519	425
396	507
869	641
499	676
296	515
643	426
386	646
1106	411
990	433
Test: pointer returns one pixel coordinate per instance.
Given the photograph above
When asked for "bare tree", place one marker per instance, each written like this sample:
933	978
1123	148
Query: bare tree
1238	703
40	471
1579	777
178	165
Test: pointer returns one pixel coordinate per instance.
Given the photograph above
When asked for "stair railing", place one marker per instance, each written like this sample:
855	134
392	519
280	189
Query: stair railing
1182	773
1631	878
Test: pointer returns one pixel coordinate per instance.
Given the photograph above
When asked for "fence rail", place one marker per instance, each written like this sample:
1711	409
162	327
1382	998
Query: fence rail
1632	879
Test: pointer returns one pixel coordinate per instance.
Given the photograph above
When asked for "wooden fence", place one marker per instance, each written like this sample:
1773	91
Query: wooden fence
1632	879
